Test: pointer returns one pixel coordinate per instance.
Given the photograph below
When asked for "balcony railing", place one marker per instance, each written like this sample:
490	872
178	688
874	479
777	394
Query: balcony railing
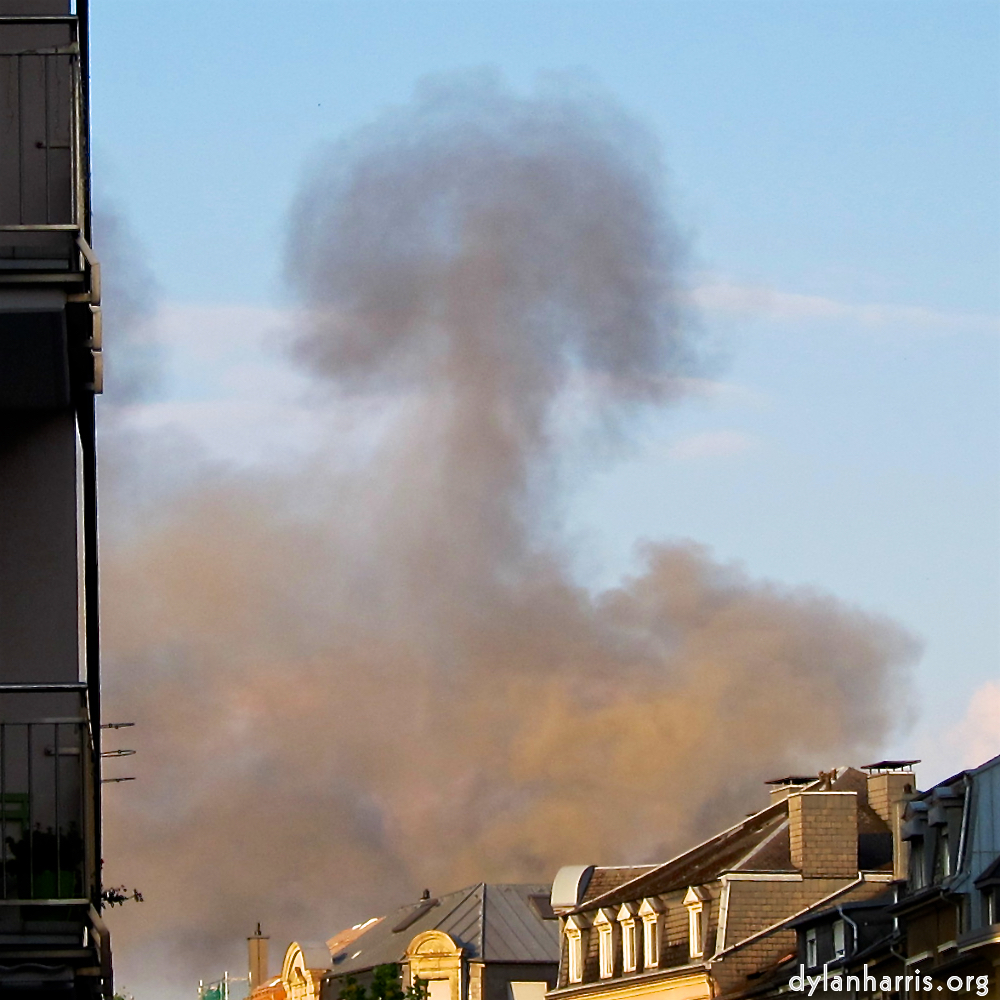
43	153
46	794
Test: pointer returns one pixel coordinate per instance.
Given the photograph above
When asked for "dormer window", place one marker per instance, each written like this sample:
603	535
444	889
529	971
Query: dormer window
695	903
650	913
626	918
605	944
918	877
812	948
839	939
942	859
574	950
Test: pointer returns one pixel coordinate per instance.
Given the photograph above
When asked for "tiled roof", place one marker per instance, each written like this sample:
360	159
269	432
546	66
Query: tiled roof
604	880
758	843
700	864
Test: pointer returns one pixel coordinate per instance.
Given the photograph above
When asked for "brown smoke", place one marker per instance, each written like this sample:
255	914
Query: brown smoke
378	674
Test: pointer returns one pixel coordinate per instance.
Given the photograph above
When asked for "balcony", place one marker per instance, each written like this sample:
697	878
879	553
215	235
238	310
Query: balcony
47	779
43	156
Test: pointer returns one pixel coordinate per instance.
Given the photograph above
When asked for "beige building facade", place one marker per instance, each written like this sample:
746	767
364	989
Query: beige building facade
713	920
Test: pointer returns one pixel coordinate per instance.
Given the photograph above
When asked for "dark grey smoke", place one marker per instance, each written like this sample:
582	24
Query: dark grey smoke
362	679
129	292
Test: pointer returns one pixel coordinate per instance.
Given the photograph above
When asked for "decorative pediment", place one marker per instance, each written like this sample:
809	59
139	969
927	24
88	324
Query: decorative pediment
650	907
603	918
696	896
435	944
626	911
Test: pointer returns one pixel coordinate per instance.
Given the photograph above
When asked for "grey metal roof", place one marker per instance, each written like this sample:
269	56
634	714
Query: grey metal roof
493	922
315	954
513	929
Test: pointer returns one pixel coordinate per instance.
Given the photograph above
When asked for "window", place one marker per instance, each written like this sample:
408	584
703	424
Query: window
650	913
628	946
839	939
439	989
630	949
812	949
607	954
918	877
574	952
694	931
942	857
695	903
990	906
651	941
605	945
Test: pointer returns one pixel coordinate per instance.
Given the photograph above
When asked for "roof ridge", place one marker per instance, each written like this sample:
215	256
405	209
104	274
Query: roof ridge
757	848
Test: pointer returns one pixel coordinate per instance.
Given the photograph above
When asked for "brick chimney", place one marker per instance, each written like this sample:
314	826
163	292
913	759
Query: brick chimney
257	947
823	829
888	793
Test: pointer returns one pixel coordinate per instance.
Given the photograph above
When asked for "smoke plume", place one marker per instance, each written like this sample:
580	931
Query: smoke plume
377	673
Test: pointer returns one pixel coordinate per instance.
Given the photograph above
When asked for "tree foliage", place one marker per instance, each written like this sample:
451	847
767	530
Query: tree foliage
386	984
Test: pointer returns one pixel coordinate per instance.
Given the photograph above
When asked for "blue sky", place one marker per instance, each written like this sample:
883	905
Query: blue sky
833	166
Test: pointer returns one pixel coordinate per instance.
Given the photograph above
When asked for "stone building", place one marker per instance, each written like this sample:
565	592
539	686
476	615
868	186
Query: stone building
718	920
485	942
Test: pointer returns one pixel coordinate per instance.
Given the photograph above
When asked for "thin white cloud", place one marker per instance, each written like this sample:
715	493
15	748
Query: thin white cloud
723	393
758	301
976	738
713	444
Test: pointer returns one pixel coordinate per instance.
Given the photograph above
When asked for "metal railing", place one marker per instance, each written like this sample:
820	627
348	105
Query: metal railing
47	771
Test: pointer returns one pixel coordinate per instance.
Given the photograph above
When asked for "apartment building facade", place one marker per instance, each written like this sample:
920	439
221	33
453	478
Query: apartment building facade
718	920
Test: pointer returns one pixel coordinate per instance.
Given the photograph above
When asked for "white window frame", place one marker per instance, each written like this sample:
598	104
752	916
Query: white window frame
812	948
574	951
694	900
695	948
630	949
650	913
839	939
605	944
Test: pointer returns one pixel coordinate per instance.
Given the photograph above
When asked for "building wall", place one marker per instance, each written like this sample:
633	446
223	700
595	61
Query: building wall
40	571
984	844
498	975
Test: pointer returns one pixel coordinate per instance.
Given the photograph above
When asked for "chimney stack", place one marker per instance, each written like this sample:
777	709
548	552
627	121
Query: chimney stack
257	947
781	788
891	784
823	830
